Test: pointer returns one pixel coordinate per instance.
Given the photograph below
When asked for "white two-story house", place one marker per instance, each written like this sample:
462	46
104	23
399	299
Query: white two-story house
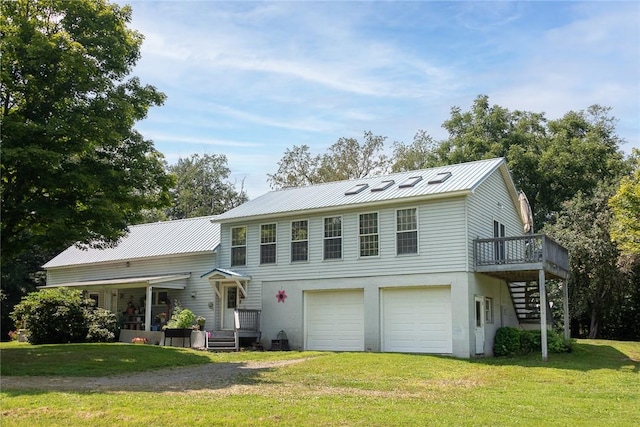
393	263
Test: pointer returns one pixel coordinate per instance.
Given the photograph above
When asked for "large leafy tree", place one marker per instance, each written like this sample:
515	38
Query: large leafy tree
346	159
73	166
202	187
598	287
625	205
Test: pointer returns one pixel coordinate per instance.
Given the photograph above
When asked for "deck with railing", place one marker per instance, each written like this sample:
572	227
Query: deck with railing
521	258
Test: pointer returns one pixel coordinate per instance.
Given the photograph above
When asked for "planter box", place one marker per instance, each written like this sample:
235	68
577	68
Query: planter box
177	333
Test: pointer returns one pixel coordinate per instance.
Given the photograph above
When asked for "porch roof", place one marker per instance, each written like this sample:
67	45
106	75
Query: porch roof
225	274
129	281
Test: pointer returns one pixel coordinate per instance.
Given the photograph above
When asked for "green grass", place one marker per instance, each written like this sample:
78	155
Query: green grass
597	384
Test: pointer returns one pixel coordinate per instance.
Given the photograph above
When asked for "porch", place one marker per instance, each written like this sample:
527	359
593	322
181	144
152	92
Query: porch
525	263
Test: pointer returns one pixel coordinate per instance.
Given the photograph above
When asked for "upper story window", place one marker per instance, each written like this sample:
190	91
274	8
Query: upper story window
369	239
268	244
406	231
333	237
498	246
239	245
300	241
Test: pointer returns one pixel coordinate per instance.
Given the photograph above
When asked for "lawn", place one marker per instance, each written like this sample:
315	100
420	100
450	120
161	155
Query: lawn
597	384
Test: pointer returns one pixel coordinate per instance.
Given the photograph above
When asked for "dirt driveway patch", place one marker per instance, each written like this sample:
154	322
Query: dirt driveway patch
210	376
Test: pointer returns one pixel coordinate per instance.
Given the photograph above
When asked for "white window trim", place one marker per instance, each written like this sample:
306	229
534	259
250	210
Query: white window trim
232	246
291	241
341	238
275	243
395	224
488	309
360	235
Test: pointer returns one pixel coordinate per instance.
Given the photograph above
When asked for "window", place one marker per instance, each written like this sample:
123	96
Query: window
498	247
333	237
410	182
355	189
440	178
232	297
406	231
239	246
299	241
383	185
488	310
369	234
268	244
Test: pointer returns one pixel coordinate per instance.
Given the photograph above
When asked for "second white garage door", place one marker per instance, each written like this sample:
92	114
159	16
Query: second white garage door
335	320
416	320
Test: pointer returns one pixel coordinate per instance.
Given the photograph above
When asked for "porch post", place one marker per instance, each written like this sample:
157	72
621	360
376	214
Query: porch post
543	313
147	309
565	306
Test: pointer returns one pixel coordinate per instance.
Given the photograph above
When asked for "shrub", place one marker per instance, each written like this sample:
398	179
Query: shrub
511	341
52	316
103	325
507	342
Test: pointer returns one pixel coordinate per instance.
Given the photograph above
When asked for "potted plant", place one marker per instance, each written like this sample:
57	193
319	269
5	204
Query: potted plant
200	322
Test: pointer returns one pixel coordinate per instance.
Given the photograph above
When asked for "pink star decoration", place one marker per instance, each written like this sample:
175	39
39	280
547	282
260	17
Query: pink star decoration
281	295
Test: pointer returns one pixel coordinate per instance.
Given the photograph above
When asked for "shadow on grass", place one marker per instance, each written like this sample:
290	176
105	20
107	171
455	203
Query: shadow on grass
583	357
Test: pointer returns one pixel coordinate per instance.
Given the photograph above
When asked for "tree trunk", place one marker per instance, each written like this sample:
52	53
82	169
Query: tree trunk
595	323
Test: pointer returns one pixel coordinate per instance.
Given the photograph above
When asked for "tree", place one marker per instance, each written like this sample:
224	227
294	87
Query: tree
201	187
419	155
597	286
73	167
345	159
625	204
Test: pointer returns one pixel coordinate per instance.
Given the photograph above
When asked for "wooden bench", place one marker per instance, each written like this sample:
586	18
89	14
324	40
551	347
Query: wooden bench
246	325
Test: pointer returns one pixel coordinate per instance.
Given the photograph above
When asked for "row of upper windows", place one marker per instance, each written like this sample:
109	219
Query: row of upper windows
368	235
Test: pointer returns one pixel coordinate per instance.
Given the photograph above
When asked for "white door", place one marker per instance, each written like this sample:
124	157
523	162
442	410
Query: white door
479	324
417	320
229	304
334	320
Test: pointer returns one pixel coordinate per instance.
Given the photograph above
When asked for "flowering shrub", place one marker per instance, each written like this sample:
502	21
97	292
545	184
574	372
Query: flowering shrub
13	335
139	340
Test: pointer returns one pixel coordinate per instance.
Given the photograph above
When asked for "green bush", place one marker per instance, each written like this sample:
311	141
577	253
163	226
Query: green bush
506	342
510	341
103	325
52	316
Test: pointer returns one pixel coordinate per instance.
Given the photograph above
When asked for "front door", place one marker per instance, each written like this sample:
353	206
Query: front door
479	324
229	304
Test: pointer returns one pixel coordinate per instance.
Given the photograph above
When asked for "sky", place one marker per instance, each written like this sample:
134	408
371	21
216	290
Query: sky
252	79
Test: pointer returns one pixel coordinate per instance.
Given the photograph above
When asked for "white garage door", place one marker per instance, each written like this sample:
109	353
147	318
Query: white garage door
417	320
335	320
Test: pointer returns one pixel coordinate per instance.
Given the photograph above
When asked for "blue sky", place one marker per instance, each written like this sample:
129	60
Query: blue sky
251	79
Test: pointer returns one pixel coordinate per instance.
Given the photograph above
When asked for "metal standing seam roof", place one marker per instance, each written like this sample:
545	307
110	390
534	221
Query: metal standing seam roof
193	235
464	177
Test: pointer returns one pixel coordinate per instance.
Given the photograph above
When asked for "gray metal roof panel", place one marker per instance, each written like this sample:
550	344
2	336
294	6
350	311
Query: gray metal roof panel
193	235
464	177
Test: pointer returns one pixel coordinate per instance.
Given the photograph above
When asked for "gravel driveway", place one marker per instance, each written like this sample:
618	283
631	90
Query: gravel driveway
202	377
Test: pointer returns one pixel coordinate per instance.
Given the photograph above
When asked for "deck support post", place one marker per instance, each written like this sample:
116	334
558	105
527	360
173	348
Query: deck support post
565	307
543	313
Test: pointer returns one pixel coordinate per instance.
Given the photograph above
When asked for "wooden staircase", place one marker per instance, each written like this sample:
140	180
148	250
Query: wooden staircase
221	341
526	301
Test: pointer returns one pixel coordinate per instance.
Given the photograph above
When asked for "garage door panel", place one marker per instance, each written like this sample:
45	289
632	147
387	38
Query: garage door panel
417	320
335	320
